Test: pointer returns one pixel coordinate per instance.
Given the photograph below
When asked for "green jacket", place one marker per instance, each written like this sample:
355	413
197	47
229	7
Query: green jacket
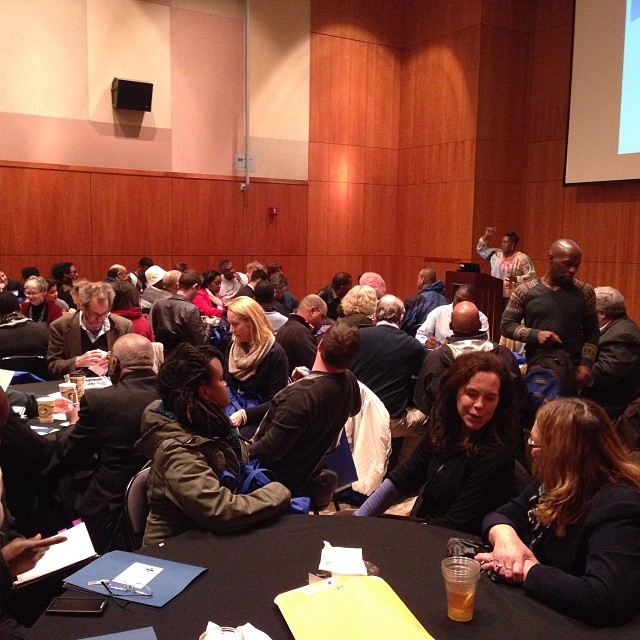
184	491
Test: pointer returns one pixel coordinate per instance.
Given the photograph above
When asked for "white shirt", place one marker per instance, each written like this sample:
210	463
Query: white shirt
438	321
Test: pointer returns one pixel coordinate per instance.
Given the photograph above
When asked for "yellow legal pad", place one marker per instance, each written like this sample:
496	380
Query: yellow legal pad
349	607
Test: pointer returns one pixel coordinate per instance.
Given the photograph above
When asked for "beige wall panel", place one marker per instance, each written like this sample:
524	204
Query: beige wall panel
503	85
380	221
383	265
130	215
207	217
634	226
545	160
44	211
336	162
549	80
383	97
131	40
377	21
631	290
284	233
335	219
226	8
604	274
43	49
338	76
448	162
435	220
407	270
427	20
542	223
440	90
278	159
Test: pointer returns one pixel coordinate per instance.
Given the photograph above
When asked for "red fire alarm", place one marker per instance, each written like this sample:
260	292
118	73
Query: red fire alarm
272	211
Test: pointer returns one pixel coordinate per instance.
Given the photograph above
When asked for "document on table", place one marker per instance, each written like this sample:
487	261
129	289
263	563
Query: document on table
349	608
75	549
146	633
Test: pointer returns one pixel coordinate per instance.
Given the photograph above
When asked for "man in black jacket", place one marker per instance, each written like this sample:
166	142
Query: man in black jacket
107	426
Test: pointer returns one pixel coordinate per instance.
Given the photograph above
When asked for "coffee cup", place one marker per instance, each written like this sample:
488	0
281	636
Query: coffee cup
46	407
78	377
461	576
68	390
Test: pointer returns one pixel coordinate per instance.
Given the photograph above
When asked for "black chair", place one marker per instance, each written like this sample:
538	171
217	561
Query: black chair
35	365
136	508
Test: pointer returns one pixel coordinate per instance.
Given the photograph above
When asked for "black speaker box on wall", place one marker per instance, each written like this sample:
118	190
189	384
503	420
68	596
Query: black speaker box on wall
129	94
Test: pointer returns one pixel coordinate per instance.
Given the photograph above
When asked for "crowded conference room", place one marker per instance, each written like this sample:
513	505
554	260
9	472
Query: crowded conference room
318	319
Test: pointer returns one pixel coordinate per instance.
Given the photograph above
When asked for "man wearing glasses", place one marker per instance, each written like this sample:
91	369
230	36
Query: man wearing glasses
82	340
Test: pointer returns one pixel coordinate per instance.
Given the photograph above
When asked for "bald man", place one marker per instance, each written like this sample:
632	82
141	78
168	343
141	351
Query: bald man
107	426
297	336
560	321
467	336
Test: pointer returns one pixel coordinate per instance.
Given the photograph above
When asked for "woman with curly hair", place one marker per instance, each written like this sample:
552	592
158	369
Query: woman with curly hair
190	442
572	538
464	465
359	306
255	364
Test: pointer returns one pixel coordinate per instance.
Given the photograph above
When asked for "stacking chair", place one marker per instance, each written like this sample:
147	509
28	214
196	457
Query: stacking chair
34	366
136	508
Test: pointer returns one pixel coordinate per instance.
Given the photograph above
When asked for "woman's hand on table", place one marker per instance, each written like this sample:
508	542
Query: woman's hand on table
511	559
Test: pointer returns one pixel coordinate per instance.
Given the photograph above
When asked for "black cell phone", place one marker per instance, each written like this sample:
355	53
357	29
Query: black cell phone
77	606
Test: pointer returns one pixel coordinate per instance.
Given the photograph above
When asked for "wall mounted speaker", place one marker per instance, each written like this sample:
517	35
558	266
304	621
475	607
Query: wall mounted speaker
129	94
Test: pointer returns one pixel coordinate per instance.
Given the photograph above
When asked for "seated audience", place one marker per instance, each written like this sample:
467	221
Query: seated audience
359	306
286	302
387	363
176	319
65	274
255	363
127	305
375	281
7	284
231	280
154	287
467	337
464	465
265	297
333	293
430	296
116	273
258	275
190	442
36	307
20	336
435	330
107	426
305	419
206	298
80	340
616	371
52	296
572	539
298	335
138	277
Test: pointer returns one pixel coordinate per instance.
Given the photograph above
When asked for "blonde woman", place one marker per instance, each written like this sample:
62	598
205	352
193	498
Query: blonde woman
255	363
573	538
359	306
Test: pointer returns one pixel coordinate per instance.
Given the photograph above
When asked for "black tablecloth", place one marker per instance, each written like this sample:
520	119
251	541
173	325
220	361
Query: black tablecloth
247	570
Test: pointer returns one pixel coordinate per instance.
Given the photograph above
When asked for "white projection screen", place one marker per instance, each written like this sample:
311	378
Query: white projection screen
603	142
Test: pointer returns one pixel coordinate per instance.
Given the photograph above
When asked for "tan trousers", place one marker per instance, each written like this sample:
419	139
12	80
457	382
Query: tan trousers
410	426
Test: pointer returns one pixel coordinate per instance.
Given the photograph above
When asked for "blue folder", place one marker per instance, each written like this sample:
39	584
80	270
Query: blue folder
173	579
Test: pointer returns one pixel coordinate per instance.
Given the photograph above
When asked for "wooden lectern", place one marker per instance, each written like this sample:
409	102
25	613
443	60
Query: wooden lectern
488	295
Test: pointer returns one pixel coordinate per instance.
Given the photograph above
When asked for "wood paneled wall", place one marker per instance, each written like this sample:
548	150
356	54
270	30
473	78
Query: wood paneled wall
97	217
429	121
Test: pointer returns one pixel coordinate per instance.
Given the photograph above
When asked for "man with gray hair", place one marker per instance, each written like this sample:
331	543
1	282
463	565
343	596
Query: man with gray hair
81	340
106	426
387	363
616	371
297	335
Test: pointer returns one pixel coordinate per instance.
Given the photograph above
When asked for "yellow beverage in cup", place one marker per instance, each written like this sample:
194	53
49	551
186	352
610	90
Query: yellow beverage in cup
460	579
460	602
